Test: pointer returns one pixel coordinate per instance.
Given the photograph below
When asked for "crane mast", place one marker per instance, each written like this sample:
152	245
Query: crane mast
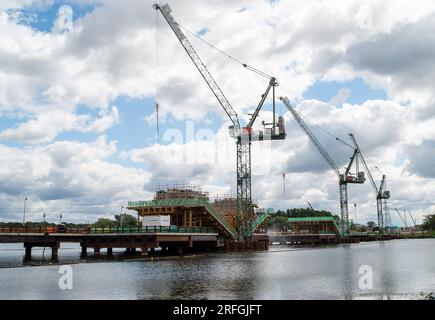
243	136
381	194
343	179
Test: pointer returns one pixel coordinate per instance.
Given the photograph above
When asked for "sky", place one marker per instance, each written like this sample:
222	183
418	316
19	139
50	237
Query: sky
79	82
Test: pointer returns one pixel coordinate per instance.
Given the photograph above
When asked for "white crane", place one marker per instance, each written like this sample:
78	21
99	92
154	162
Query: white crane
381	194
343	178
243	135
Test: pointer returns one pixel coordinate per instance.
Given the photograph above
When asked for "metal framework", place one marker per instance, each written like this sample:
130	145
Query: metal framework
243	136
402	218
382	195
343	178
412	218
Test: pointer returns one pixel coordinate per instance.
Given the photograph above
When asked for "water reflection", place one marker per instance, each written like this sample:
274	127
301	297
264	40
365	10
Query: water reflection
403	267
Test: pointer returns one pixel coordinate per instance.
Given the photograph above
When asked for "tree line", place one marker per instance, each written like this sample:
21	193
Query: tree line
127	221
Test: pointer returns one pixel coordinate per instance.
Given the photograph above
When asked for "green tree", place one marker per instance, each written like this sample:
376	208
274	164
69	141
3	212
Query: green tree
307	212
371	224
127	220
429	222
104	223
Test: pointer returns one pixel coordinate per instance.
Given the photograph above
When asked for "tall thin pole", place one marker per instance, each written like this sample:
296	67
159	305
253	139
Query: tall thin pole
158	130
24	213
283	186
121	217
157	73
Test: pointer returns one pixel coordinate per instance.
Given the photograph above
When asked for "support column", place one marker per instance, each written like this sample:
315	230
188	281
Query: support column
109	251
84	250
28	254
54	253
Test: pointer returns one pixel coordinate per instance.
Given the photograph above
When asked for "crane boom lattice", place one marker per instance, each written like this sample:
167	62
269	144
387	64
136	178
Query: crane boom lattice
166	12
243	136
311	136
382	195
344	178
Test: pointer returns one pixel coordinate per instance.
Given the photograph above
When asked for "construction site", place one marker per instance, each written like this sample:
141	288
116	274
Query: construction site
238	220
183	217
187	206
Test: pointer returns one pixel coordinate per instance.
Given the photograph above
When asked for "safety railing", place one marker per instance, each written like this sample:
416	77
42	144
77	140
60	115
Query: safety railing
41	229
74	230
327	232
154	229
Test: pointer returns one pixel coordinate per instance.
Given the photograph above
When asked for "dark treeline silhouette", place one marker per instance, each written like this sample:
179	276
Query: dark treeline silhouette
31	224
127	221
302	212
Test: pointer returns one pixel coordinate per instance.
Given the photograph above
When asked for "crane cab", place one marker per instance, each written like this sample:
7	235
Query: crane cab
359	178
248	134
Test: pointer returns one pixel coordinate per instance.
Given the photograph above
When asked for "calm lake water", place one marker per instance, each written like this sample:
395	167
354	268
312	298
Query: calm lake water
401	269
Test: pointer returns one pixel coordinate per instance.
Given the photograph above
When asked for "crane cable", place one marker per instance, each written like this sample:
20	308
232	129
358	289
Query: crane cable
263	74
245	65
157	83
326	131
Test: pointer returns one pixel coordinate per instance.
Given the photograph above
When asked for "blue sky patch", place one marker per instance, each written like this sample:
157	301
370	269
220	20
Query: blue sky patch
42	18
359	91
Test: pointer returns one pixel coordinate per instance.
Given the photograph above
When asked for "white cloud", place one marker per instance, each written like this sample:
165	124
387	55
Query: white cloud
47	125
341	97
75	178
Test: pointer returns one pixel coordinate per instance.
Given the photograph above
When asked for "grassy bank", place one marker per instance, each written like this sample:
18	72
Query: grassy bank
429	234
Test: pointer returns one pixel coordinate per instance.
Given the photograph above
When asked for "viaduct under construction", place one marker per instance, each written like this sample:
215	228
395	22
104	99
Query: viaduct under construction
184	218
244	220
